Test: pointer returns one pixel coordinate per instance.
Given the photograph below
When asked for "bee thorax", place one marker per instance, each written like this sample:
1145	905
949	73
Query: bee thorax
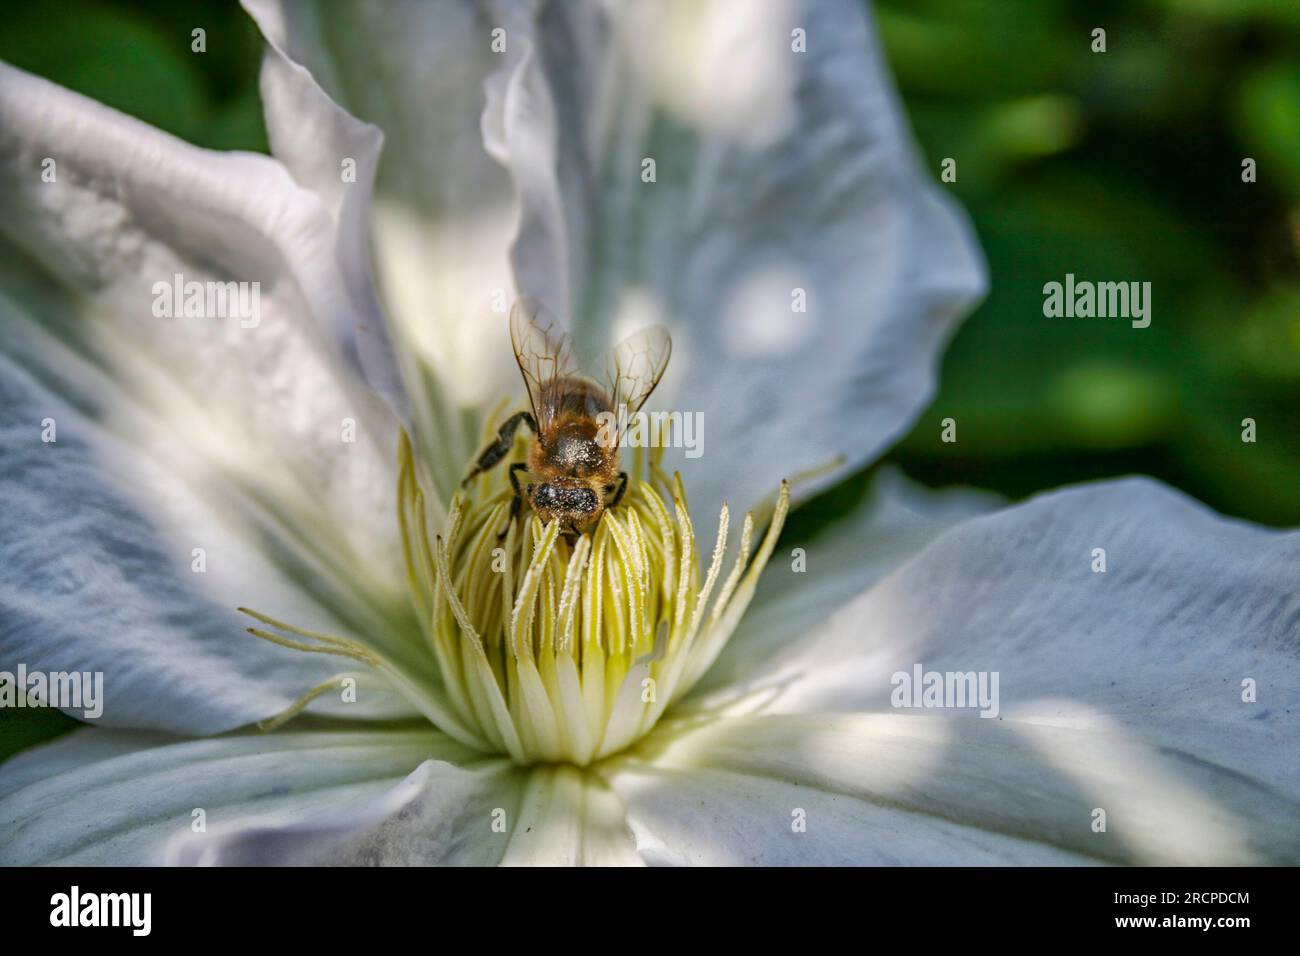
574	448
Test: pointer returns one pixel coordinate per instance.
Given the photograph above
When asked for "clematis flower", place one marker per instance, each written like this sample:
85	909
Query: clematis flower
683	685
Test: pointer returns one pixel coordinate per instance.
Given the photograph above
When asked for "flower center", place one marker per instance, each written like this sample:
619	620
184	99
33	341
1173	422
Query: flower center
551	648
563	649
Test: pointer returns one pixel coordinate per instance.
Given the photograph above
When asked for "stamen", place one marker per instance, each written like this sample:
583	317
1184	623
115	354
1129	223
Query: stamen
333	645
299	705
423	695
547	648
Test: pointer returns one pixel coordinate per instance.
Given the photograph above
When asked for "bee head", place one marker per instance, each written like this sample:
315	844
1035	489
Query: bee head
574	505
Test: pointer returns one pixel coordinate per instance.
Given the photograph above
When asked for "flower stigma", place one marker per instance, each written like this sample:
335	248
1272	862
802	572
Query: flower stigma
552	648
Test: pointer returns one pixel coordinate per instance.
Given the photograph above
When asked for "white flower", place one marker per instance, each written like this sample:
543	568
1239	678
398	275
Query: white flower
200	466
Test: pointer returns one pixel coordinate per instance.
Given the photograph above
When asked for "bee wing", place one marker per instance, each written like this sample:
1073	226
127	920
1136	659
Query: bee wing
543	351
634	366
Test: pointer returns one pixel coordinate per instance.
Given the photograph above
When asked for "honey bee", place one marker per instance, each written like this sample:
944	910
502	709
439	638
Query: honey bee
573	463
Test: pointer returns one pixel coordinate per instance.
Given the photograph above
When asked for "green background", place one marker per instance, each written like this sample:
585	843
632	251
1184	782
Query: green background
1123	165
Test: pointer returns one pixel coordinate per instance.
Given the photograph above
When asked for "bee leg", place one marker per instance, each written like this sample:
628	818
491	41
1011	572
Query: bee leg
501	447
622	487
518	502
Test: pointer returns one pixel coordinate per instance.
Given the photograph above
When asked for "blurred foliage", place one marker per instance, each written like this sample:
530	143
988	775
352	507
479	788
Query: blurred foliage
1123	165
135	55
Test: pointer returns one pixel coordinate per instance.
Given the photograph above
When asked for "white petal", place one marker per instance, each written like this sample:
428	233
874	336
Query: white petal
73	751
477	811
441	814
775	171
337	798
130	206
1157	648
443	216
893	522
568	817
207	434
336	156
98	577
883	789
88	800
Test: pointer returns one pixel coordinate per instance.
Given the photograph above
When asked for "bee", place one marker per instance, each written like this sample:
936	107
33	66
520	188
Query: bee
572	470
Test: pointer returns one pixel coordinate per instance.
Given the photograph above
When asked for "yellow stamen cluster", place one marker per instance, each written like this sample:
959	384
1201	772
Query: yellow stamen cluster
553	649
547	648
